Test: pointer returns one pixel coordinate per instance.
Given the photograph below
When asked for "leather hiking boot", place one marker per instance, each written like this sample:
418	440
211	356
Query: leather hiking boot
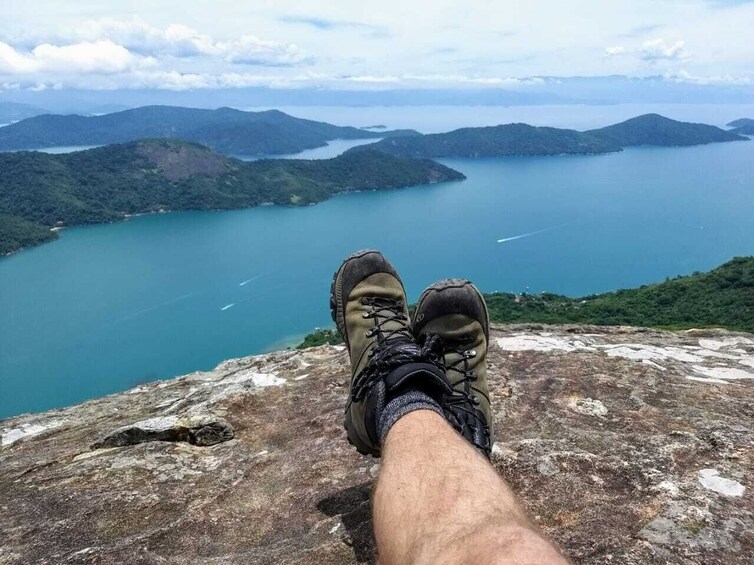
368	305
451	319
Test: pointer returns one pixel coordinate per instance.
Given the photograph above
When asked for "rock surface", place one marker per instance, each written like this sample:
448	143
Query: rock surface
625	445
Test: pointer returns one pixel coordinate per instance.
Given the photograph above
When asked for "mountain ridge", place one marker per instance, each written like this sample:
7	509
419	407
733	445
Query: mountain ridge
526	140
225	130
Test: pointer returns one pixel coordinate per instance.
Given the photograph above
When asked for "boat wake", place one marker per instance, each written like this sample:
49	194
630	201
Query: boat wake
227	307
529	234
252	279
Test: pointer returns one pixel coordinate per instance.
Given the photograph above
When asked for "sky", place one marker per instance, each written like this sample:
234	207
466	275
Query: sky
367	45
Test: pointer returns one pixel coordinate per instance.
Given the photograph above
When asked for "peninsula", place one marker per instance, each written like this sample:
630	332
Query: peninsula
40	191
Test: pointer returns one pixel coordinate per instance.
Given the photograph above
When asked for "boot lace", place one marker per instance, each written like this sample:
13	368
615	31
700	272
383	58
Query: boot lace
395	346
461	405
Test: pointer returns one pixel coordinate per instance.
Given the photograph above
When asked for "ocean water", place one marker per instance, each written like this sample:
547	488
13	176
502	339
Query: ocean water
108	307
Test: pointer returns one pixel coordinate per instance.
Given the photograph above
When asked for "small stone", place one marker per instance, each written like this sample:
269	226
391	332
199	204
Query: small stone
547	467
589	407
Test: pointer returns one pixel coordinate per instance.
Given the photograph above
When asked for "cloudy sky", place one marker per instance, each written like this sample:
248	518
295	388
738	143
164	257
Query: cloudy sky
186	44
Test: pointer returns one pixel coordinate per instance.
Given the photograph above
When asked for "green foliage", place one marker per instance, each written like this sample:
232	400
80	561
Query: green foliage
225	130
523	139
321	337
653	129
510	139
723	297
108	183
16	233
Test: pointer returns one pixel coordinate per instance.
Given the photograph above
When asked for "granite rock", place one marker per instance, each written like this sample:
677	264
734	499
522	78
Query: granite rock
626	445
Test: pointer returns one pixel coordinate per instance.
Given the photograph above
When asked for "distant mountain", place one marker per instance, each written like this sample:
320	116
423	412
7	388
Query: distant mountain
225	130
510	139
653	129
744	126
741	122
523	139
39	191
13	111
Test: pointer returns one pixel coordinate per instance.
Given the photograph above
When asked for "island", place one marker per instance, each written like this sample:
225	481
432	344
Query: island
39	191
743	126
225	130
527	140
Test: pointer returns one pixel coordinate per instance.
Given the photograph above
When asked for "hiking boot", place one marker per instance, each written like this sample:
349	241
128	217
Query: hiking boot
368	305
451	319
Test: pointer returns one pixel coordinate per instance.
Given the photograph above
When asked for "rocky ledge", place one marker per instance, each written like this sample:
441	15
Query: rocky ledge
626	446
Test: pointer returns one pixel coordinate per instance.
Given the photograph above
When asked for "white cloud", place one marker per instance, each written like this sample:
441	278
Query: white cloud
181	41
659	50
615	50
86	57
685	77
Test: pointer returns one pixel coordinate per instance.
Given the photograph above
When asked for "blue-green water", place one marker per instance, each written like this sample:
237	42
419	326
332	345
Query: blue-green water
108	307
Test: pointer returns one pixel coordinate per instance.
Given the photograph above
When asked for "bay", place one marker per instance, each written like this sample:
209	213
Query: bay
108	307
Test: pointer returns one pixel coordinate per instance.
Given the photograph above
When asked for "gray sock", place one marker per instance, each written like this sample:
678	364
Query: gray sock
402	405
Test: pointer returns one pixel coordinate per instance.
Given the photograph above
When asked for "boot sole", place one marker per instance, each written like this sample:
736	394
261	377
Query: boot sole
338	316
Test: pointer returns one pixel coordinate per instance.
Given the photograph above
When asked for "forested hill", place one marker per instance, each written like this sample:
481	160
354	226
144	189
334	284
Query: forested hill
509	139
723	297
108	183
225	130
744	126
653	129
523	139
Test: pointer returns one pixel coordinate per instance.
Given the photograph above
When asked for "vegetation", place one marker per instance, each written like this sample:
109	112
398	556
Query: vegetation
653	129
17	233
227	131
108	183
744	126
523	139
321	337
723	297
510	139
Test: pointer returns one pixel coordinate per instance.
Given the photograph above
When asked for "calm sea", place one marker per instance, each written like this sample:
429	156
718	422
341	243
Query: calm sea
108	307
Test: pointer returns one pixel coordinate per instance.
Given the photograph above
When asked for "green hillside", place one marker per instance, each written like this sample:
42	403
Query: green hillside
509	139
17	233
723	297
653	129
744	126
523	139
225	130
108	183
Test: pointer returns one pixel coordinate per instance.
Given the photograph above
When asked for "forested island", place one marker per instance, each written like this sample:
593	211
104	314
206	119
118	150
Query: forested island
225	130
743	126
40	191
722	297
523	139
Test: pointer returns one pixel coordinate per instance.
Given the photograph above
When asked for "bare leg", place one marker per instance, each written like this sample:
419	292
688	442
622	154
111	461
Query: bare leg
439	501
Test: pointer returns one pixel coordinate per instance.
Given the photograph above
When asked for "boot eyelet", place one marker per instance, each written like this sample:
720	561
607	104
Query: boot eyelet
364	300
471	353
366	315
475	400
